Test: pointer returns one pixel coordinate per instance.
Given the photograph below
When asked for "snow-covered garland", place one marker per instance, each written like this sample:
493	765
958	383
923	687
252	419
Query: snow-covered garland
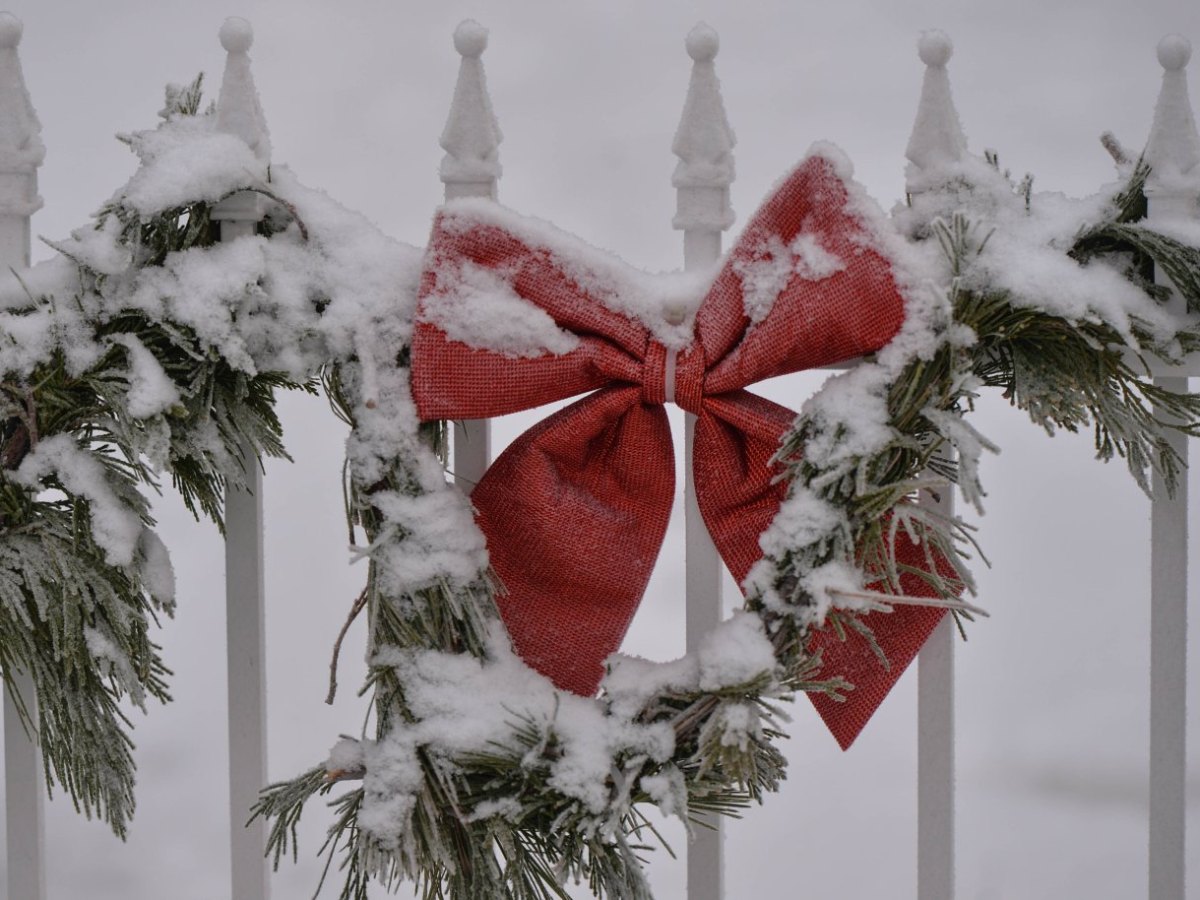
149	347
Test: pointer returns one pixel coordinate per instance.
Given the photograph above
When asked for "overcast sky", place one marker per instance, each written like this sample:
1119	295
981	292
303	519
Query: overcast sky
1051	690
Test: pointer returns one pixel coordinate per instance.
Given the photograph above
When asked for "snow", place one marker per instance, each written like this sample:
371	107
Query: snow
151	391
112	663
764	275
96	246
158	574
737	651
740	724
771	265
463	705
470	38
115	527
186	161
479	307
346	755
814	262
600	277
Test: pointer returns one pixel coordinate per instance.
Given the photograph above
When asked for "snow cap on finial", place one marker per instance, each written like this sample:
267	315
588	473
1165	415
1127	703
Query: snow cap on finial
472	136
937	139
470	38
21	148
703	141
236	35
702	43
11	29
935	47
1174	51
239	111
1173	148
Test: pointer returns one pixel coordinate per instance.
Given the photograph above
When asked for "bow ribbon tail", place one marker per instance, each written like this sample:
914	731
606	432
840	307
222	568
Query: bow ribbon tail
574	512
739	494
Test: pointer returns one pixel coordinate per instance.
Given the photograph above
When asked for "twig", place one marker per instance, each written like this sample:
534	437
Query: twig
355	774
905	600
271	195
1110	143
337	645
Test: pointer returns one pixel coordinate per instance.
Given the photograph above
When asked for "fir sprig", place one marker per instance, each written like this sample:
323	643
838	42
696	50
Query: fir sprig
77	621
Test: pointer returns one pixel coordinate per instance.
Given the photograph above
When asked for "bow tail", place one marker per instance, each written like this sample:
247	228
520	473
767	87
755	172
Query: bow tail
574	512
736	438
900	634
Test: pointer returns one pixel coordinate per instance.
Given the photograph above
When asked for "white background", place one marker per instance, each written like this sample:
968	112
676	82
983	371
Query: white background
1052	701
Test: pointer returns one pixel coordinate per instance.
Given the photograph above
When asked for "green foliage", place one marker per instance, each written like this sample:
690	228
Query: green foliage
77	622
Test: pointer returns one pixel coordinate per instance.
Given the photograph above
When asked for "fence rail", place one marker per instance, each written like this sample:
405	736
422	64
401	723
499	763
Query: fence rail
704	144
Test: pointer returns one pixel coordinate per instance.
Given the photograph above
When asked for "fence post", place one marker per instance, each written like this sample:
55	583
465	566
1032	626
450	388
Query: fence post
937	140
21	152
704	144
471	168
239	113
1173	192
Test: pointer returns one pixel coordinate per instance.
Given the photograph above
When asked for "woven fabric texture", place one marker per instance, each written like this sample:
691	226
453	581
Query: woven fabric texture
575	509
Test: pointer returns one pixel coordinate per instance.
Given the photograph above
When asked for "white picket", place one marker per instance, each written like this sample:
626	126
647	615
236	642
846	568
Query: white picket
471	168
1173	194
239	113
937	141
704	144
21	154
935	753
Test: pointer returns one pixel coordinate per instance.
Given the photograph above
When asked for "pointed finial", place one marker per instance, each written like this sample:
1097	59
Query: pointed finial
239	111
703	142
21	148
1173	149
472	135
937	137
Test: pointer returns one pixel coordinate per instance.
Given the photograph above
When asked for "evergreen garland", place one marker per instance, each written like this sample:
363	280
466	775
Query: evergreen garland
82	575
76	611
493	824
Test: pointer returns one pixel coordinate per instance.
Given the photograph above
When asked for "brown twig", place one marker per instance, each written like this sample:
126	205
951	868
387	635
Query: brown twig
337	645
19	434
1110	143
355	774
271	195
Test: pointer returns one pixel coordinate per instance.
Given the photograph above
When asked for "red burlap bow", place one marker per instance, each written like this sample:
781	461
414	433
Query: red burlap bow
575	509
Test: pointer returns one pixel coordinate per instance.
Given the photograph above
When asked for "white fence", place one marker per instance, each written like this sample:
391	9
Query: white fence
471	168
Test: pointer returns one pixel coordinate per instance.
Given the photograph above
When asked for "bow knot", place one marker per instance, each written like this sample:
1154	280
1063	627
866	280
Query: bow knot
689	377
658	375
575	509
672	376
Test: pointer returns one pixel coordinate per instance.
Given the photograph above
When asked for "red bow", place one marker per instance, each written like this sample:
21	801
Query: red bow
575	509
